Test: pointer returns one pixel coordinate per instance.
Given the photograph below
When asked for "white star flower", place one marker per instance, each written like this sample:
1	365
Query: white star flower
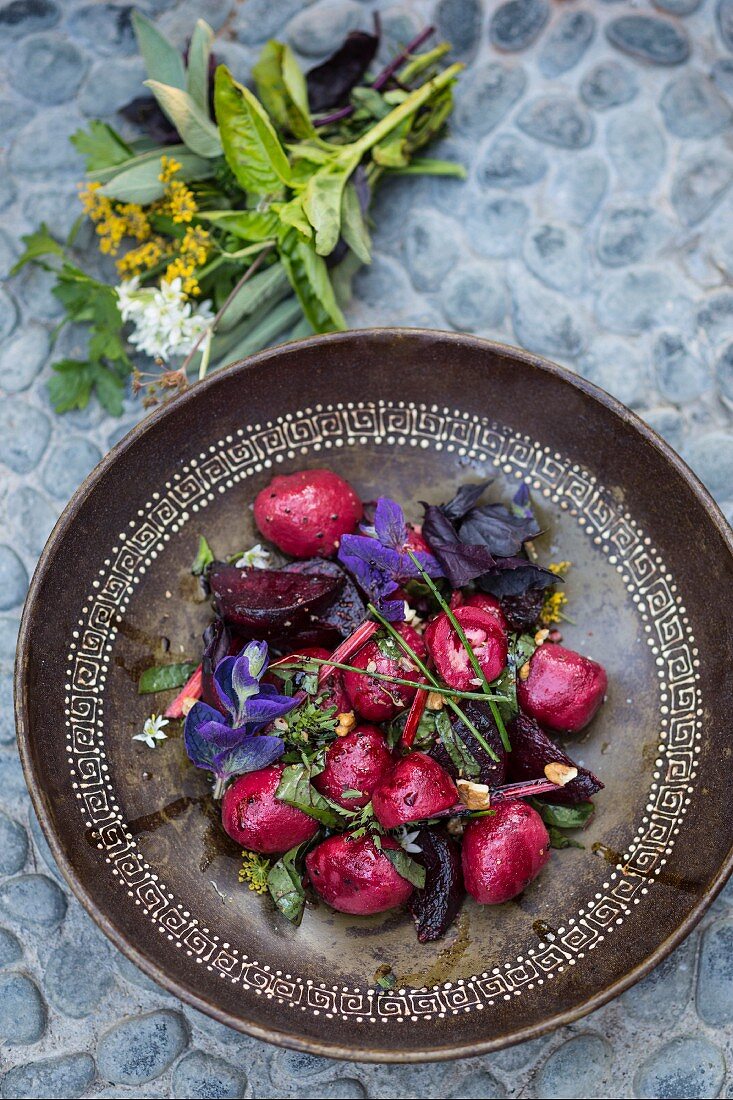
164	322
406	839
153	731
255	558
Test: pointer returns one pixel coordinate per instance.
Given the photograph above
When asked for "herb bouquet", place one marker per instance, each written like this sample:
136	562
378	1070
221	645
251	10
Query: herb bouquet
239	218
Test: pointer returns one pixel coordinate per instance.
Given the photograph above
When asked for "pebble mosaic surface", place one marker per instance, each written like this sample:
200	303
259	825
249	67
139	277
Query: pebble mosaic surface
596	228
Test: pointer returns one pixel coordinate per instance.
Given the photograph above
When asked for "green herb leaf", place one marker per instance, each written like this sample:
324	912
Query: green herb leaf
101	146
109	388
197	75
559	839
37	244
138	180
196	128
285	883
70	386
566	817
281	87
203	559
257	296
250	225
165	677
322	205
163	62
309	279
296	789
393	151
406	866
251	146
353	225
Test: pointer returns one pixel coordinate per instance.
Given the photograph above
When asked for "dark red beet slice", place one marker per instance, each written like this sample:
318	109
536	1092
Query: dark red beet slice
435	907
347	611
269	603
523	610
532	749
492	772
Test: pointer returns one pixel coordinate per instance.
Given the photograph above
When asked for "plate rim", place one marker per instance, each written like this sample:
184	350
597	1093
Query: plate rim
284	1037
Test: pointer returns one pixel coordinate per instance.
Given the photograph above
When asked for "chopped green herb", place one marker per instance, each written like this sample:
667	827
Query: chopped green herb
296	789
203	559
285	884
406	866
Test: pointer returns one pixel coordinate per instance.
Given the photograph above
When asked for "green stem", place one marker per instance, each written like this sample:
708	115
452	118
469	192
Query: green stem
429	676
467	646
302	665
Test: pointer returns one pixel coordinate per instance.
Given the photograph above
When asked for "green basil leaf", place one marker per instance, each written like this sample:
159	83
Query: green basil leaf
285	884
250	225
165	677
163	61
37	244
559	839
296	789
281	87
353	225
309	279
138	180
322	205
203	559
101	146
292	214
566	817
197	75
199	133
251	146
178	152
406	866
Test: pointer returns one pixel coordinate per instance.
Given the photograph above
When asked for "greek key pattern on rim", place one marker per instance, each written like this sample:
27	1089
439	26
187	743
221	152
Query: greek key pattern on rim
322	428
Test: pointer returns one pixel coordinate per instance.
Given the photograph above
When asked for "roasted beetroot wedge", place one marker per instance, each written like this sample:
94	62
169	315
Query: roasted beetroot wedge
484	634
502	853
522	611
306	513
256	819
354	876
269	603
563	689
491	771
532	749
375	700
435	907
417	788
355	763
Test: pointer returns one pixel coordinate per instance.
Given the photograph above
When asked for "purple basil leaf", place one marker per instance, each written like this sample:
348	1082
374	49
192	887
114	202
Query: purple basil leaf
253	752
513	576
145	114
460	563
494	527
465	499
330	82
389	523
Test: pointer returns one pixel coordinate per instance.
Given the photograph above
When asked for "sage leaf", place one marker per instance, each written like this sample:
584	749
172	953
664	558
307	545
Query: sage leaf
405	866
281	86
163	62
309	279
262	332
322	205
139	182
353	225
285	884
165	677
257	296
197	75
251	146
196	128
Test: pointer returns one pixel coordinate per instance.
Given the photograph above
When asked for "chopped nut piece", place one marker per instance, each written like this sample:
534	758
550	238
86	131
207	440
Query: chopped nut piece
524	671
187	704
560	773
474	796
280	724
371	666
346	723
541	636
455	826
435	701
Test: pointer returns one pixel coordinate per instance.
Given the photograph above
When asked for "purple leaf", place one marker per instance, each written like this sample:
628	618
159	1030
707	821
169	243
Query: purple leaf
494	527
464	500
330	82
513	576
217	640
347	612
251	753
460	563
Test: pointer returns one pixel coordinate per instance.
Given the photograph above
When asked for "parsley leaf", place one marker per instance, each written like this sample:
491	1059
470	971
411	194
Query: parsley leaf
101	146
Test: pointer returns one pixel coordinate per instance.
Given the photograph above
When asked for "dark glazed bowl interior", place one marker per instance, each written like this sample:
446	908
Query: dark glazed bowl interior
408	414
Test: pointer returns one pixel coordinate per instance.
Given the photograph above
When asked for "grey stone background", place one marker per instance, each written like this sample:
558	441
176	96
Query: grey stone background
595	228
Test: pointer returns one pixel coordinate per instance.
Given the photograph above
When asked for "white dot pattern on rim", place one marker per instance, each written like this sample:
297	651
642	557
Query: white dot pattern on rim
403	424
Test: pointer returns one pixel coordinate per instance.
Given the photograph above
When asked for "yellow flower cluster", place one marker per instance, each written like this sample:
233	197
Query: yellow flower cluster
255	870
192	253
114	221
555	601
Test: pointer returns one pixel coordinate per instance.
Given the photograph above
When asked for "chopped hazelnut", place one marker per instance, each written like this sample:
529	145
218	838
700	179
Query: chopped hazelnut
560	774
524	671
541	636
435	701
474	796
455	826
346	723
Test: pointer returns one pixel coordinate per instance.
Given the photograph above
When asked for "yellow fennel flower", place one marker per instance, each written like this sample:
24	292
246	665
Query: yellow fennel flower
559	568
181	202
169	166
144	257
552	608
254	871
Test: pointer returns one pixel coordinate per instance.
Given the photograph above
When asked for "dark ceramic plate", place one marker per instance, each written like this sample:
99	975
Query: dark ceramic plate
409	414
